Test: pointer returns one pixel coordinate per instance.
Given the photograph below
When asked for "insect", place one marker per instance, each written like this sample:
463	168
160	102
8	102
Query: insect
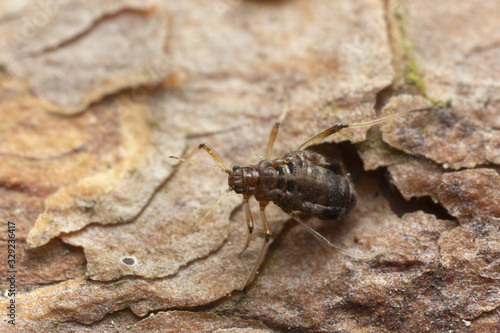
301	181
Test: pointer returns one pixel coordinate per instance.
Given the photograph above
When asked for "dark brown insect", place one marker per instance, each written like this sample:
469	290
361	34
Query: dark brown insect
301	181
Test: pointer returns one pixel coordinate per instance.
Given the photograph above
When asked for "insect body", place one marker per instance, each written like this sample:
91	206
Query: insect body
301	181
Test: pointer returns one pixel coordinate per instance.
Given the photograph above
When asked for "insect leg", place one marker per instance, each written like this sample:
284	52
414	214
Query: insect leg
249	217
214	155
217	158
267	235
274	132
328	245
336	128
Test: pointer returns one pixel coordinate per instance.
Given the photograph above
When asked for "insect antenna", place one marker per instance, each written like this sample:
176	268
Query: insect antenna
212	208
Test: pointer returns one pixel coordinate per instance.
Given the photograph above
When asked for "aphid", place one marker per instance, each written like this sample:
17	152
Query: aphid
302	181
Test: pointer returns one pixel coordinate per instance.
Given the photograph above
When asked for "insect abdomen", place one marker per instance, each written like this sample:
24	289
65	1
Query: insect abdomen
311	184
